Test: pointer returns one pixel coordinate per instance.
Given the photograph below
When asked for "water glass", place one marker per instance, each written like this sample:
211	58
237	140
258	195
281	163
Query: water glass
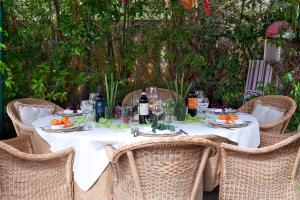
92	98
200	96
169	113
87	109
85	106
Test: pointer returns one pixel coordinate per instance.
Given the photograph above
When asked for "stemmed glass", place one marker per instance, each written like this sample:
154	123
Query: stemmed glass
204	103
157	109
153	93
200	96
134	102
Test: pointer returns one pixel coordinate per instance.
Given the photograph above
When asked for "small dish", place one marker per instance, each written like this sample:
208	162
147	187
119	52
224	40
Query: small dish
147	132
237	124
230	122
57	127
63	129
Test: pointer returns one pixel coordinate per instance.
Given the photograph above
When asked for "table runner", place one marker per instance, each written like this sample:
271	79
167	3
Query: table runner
90	155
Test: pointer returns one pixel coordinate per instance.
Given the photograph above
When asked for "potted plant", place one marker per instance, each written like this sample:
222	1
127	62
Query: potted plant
111	93
179	94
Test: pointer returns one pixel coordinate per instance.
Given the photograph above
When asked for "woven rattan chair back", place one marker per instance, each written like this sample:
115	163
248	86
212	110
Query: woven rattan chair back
169	168
265	173
14	116
277	101
163	94
23	143
267	139
34	177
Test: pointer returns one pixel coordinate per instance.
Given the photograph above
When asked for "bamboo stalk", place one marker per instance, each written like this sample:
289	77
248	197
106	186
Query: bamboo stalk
106	87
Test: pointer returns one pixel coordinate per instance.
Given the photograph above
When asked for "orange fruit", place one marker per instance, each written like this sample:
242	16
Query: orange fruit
65	120
55	122
222	117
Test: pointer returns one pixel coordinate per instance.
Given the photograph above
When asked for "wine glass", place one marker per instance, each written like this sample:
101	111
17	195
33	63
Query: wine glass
152	97
134	102
157	109
200	95
153	93
203	105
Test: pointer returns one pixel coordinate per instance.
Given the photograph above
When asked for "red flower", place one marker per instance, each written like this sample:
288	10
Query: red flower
207	6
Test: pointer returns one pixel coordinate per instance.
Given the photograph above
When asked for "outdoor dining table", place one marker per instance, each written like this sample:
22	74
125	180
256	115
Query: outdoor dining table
91	161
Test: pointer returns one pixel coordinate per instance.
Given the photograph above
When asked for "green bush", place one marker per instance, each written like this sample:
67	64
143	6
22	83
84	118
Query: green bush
55	48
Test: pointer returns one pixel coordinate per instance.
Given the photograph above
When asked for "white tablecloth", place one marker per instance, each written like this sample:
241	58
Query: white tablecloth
90	154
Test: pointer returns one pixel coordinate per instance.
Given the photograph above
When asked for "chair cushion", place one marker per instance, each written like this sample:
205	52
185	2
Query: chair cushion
28	113
266	114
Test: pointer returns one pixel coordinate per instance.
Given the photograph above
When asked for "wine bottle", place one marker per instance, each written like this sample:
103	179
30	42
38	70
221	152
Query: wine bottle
192	103
143	108
100	105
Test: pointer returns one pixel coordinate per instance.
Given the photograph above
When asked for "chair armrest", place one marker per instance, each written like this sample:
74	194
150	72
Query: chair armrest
268	139
36	157
109	152
254	164
22	143
264	150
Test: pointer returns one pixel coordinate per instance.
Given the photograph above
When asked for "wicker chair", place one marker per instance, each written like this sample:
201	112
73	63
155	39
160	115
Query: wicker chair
278	101
163	94
264	174
169	168
28	176
14	116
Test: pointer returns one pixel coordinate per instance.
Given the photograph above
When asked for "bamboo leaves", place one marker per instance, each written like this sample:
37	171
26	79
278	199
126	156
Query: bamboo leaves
179	94
111	93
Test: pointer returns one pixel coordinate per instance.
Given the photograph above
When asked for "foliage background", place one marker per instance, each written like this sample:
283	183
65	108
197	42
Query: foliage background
61	49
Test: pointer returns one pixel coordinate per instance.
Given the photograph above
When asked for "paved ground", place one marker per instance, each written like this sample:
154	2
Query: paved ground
211	195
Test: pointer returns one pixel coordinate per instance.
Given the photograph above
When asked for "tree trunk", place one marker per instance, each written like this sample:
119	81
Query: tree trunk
57	7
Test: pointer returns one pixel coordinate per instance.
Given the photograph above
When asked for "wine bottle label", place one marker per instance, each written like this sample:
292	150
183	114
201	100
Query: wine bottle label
144	108
192	103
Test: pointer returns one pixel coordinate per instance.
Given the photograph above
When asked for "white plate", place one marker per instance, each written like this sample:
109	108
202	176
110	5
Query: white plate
224	122
63	129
